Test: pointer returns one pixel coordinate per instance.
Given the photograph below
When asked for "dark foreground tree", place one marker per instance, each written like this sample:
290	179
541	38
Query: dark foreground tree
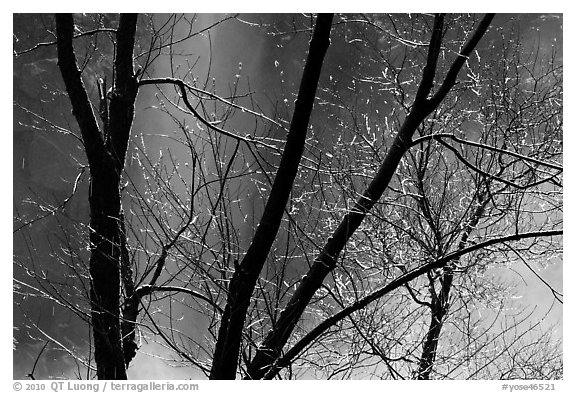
106	151
450	153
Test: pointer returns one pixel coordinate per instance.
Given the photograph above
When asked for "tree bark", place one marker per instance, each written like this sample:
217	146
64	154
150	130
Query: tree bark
247	272
105	155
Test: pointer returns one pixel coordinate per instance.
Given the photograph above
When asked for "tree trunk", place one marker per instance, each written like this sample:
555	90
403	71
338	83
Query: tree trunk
105	155
105	277
247	272
440	302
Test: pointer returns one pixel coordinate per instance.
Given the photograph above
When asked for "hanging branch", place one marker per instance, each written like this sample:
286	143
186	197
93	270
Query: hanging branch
182	86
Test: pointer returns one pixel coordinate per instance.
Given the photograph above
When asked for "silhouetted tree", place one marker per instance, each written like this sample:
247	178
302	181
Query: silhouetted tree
353	227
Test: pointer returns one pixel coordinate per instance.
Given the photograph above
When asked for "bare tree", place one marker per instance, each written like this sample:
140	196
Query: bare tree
404	197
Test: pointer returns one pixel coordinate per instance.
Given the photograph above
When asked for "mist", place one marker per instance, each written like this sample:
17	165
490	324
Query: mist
251	57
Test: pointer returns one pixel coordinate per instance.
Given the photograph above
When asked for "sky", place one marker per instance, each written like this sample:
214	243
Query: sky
530	294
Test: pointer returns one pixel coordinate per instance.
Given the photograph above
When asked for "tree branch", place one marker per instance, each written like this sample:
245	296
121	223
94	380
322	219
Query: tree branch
486	147
146	289
124	91
491	176
431	62
452	74
398	282
83	34
247	272
81	106
183	86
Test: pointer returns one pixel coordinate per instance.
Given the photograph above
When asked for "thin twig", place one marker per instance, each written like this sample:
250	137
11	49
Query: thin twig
50	43
31	374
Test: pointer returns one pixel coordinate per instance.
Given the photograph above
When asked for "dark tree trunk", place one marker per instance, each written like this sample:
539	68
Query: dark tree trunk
440	302
439	309
105	155
105	276
247	272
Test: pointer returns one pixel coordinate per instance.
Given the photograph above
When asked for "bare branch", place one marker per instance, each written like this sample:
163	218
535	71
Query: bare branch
81	106
452	74
439	136
145	290
396	283
183	86
31	374
79	35
246	274
53	210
